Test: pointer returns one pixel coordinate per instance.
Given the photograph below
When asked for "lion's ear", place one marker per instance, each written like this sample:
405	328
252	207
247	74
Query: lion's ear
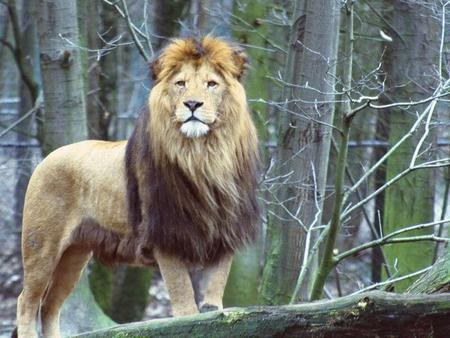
155	68
241	61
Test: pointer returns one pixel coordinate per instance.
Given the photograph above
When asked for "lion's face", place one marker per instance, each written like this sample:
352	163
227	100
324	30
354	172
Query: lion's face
198	91
196	94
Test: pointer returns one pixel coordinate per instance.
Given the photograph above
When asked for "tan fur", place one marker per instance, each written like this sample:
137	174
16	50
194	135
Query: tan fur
76	202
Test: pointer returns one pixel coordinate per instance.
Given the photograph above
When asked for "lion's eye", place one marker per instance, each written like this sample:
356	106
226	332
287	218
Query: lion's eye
181	83
212	84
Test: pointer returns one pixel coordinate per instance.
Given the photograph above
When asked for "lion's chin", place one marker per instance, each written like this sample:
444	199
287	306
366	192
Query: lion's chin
194	129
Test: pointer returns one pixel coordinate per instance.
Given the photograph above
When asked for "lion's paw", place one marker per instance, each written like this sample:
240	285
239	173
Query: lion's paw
208	307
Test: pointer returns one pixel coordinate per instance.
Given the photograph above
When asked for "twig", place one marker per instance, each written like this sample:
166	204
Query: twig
429	165
365	213
133	33
305	266
147	31
384	241
37	103
17	52
411	131
393	280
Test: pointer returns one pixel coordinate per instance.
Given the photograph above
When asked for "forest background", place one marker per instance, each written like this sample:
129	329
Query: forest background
350	99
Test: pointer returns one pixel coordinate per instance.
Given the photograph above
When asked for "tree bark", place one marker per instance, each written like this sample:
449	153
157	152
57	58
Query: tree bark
409	68
303	147
23	154
435	280
64	122
65	111
89	23
372	314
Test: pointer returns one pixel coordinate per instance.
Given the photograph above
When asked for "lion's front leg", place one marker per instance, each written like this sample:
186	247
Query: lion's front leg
178	283
216	280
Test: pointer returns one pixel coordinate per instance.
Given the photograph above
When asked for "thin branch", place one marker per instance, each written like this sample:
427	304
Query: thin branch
382	241
411	131
133	33
365	212
305	266
147	31
393	280
388	239
440	163
37	103
134	30
413	103
17	51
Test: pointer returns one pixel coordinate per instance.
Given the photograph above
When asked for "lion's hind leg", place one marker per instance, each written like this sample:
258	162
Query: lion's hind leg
37	277
64	279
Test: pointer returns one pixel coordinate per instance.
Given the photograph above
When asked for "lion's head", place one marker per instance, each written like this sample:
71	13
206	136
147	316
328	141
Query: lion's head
194	82
192	160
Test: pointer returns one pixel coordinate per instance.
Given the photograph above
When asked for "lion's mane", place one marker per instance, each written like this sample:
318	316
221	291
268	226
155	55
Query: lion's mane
194	198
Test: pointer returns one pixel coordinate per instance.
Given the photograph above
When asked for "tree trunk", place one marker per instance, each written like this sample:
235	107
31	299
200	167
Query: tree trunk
409	68
24	155
65	111
303	147
435	280
64	122
373	314
89	23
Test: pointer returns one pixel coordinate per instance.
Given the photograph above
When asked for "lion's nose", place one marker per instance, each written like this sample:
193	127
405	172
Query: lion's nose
193	105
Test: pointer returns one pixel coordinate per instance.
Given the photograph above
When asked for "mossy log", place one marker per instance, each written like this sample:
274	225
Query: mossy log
371	314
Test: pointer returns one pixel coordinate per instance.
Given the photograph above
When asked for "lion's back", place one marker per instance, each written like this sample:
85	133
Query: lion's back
84	179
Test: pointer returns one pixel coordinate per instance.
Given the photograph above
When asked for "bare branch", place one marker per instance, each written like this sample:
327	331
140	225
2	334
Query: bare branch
29	113
25	73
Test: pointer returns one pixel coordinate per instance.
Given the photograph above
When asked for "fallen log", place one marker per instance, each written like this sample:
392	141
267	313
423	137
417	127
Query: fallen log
371	314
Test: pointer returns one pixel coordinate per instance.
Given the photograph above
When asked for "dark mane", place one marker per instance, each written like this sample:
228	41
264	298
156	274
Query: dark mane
169	212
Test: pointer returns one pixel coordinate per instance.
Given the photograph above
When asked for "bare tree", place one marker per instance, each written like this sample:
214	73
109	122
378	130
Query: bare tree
305	133
410	75
64	119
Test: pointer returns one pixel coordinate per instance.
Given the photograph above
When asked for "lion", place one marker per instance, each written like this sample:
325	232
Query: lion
179	194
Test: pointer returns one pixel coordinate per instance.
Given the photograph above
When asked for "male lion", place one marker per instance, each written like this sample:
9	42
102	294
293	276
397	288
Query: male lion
180	192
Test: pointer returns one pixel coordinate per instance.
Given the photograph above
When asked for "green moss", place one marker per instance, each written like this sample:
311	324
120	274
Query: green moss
235	316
